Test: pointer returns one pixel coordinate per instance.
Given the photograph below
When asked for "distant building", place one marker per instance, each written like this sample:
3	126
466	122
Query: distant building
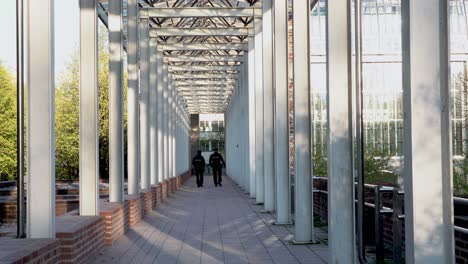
211	134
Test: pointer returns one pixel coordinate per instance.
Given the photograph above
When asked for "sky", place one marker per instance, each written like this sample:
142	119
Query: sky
66	33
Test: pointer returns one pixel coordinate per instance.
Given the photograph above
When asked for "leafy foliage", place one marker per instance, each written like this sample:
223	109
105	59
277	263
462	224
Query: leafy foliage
67	116
7	125
319	162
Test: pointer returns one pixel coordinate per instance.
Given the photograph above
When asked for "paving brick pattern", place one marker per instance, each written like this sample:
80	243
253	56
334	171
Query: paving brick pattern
210	225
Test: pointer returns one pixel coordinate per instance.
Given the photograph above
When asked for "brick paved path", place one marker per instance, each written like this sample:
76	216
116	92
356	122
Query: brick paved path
210	225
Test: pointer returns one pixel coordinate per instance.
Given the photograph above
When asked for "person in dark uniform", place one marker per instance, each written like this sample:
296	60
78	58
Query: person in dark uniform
217	163
198	164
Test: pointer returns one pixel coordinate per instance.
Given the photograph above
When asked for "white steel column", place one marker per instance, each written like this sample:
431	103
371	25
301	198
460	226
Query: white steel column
428	163
153	102
251	113
145	104
159	79
41	125
281	134
116	152
89	111
268	109
341	204
304	232
172	131
169	126
260	191
133	122
165	121
245	125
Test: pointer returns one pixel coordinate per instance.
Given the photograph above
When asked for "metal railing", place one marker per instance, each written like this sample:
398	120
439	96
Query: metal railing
397	215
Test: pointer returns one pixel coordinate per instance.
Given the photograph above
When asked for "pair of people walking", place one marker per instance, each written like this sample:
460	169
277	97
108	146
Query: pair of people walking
216	163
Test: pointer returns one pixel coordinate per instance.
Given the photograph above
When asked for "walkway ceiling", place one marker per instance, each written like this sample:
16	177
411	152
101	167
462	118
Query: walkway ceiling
203	42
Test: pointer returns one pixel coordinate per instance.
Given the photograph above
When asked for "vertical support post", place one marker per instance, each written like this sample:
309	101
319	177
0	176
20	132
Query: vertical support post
41	107
259	173
169	125
194	135
159	79
268	109
340	144
153	115
89	110
133	123
428	167
174	124
251	113
145	104
116	152
281	128
165	120
304	232
245	120
20	172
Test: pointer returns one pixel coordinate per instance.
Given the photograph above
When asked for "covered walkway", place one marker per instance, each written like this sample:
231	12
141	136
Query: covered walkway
238	58
211	225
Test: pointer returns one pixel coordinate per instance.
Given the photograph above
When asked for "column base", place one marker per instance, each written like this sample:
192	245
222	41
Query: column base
282	224
311	242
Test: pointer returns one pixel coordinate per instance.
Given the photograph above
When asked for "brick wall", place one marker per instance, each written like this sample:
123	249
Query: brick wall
154	191
135	208
81	238
165	191
34	251
116	219
66	203
147	201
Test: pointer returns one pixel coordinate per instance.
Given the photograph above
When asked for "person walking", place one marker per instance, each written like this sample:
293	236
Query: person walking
198	164
217	163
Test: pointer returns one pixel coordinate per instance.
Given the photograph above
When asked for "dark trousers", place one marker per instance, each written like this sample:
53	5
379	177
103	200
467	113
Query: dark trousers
217	172
199	175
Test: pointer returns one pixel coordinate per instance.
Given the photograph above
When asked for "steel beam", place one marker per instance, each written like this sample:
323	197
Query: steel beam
209	83
268	107
427	151
133	130
41	116
281	112
260	191
251	116
204	12
202	46
160	103
213	58
116	148
195	32
89	111
153	113
202	68
303	227
145	104
212	77
341	217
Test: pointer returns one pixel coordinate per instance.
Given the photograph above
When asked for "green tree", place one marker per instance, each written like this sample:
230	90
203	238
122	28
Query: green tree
8	125
67	115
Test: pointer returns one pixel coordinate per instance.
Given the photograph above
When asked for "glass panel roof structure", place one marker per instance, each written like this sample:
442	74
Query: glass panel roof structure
203	65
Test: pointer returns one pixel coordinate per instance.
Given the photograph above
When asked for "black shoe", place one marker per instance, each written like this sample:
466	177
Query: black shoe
220	184
216	185
198	186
